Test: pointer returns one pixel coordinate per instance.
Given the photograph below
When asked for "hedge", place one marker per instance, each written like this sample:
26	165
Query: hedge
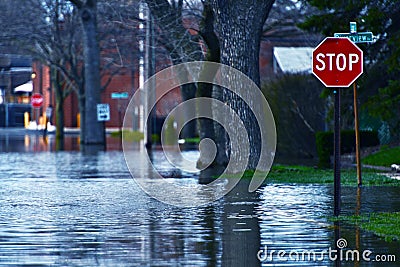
324	142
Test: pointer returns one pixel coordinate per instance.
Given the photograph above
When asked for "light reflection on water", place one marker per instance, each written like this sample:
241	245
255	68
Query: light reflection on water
73	209
19	140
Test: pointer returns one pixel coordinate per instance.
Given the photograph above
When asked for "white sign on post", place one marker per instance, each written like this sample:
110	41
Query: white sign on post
103	112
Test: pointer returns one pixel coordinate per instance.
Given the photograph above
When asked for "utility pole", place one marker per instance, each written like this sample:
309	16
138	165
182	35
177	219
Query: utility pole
142	110
353	30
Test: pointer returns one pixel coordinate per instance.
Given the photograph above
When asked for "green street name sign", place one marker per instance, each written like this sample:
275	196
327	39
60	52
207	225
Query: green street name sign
117	95
360	37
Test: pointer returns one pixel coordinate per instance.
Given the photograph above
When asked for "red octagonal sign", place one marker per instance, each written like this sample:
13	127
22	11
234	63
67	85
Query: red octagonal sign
337	62
37	100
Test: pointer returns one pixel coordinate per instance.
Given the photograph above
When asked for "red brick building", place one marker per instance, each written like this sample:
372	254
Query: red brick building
128	79
120	83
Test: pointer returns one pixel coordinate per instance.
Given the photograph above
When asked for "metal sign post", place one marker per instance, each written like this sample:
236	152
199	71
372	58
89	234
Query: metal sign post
336	153
357	37
337	62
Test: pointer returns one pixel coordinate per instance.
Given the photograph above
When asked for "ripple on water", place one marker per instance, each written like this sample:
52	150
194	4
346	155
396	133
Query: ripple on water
85	210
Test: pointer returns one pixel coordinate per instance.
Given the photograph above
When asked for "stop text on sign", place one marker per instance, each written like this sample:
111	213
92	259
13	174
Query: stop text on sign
340	62
337	62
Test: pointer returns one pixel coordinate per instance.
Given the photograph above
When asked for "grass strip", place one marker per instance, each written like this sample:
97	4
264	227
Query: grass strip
309	175
193	140
130	136
384	224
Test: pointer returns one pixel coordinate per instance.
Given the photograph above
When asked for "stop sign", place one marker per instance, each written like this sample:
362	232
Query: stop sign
37	100
337	62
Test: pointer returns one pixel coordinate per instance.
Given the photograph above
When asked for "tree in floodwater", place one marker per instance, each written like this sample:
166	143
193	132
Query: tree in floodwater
235	42
174	20
239	25
93	130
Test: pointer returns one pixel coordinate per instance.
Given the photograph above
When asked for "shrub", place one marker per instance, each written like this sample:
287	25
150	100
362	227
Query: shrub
324	142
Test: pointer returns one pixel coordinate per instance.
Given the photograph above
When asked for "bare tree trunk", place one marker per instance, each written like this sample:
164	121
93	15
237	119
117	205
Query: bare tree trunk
188	91
59	95
239	25
181	45
93	130
206	126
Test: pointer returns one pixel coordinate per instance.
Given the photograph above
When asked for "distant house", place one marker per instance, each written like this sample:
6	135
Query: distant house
292	59
286	49
15	88
125	82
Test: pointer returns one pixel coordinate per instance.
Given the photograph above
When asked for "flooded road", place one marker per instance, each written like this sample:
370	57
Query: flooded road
69	208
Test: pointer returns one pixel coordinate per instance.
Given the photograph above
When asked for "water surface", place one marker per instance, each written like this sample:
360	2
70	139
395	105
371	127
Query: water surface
69	208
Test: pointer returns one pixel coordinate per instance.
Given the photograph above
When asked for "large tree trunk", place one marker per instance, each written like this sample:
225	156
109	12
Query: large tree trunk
93	129
239	25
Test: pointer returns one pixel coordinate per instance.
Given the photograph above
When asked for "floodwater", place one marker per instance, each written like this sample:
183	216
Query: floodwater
70	208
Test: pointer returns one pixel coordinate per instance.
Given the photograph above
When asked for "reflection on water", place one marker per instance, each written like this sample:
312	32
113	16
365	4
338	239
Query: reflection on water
20	141
76	209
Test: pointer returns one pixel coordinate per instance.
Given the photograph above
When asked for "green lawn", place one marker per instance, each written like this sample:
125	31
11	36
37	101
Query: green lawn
193	140
310	175
383	224
130	136
385	157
